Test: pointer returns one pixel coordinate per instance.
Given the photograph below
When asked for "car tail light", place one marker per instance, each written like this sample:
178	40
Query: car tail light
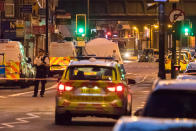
112	89
62	87
118	88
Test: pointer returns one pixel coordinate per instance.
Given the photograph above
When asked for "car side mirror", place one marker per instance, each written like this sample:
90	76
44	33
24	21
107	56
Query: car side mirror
131	81
139	112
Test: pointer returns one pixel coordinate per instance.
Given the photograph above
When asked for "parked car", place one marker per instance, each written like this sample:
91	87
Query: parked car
147	55
171	99
154	124
182	61
189	73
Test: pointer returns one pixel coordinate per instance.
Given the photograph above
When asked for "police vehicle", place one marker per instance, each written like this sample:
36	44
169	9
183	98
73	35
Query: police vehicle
92	87
14	64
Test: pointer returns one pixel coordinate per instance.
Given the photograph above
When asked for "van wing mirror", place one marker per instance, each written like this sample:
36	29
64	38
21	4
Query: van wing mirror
28	60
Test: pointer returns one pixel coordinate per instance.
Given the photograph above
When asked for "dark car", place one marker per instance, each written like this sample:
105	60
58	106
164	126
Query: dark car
171	99
147	56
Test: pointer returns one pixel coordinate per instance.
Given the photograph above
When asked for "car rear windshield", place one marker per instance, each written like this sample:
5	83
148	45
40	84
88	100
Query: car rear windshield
171	104
91	73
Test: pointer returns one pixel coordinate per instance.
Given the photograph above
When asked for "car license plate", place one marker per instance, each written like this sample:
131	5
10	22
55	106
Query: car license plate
86	98
90	91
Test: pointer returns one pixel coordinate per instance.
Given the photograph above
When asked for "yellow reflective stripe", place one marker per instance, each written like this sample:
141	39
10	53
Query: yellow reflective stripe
12	70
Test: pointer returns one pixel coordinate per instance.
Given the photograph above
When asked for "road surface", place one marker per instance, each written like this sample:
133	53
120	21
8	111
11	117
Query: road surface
19	111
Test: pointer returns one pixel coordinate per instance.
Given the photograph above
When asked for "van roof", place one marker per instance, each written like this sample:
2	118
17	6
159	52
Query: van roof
96	63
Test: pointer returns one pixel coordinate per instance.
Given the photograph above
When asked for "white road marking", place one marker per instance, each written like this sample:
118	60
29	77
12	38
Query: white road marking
145	91
19	94
142	79
21	120
2	97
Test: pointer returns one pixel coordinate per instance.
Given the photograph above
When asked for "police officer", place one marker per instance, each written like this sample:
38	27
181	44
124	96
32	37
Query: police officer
41	62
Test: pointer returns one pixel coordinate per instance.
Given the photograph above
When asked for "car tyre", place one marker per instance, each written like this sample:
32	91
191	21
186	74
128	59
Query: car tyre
128	108
62	119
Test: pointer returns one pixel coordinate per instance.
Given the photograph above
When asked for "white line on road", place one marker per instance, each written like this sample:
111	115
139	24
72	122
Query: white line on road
1	97
142	79
22	120
19	94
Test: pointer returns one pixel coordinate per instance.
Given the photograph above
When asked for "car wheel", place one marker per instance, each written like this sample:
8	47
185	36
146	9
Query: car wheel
62	119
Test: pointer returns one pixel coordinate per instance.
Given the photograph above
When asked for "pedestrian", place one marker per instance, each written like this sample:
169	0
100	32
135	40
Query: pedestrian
41	62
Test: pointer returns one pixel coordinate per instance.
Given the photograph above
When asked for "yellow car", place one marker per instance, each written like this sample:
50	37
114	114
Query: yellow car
183	62
92	87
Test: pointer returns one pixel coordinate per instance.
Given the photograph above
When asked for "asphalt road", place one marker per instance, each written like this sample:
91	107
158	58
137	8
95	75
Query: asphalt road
19	111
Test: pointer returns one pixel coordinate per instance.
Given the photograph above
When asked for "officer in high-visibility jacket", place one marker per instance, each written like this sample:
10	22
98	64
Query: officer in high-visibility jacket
42	63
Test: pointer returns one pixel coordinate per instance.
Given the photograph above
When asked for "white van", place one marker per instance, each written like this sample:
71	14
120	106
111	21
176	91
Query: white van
13	62
60	55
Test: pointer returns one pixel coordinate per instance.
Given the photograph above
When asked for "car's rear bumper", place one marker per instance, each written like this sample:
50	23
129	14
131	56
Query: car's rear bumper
97	110
109	108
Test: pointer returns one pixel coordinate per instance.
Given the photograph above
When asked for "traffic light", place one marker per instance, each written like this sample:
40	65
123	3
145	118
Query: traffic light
187	28
186	31
81	24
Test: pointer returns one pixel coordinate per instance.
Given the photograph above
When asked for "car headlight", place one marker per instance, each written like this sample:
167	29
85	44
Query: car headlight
127	54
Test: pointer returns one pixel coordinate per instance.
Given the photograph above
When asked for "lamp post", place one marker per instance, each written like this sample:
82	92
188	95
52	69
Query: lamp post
47	15
161	73
88	12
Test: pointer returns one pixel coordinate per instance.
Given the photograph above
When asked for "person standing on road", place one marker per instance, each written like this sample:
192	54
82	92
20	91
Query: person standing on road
41	62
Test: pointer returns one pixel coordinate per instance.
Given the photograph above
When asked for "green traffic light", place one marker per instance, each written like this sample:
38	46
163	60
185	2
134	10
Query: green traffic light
186	30
81	30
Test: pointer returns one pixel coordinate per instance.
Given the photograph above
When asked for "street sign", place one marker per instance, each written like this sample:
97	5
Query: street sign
78	38
176	15
19	28
8	27
81	43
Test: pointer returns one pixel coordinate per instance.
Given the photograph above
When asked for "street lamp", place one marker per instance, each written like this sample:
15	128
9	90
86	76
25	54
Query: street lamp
156	26
47	15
